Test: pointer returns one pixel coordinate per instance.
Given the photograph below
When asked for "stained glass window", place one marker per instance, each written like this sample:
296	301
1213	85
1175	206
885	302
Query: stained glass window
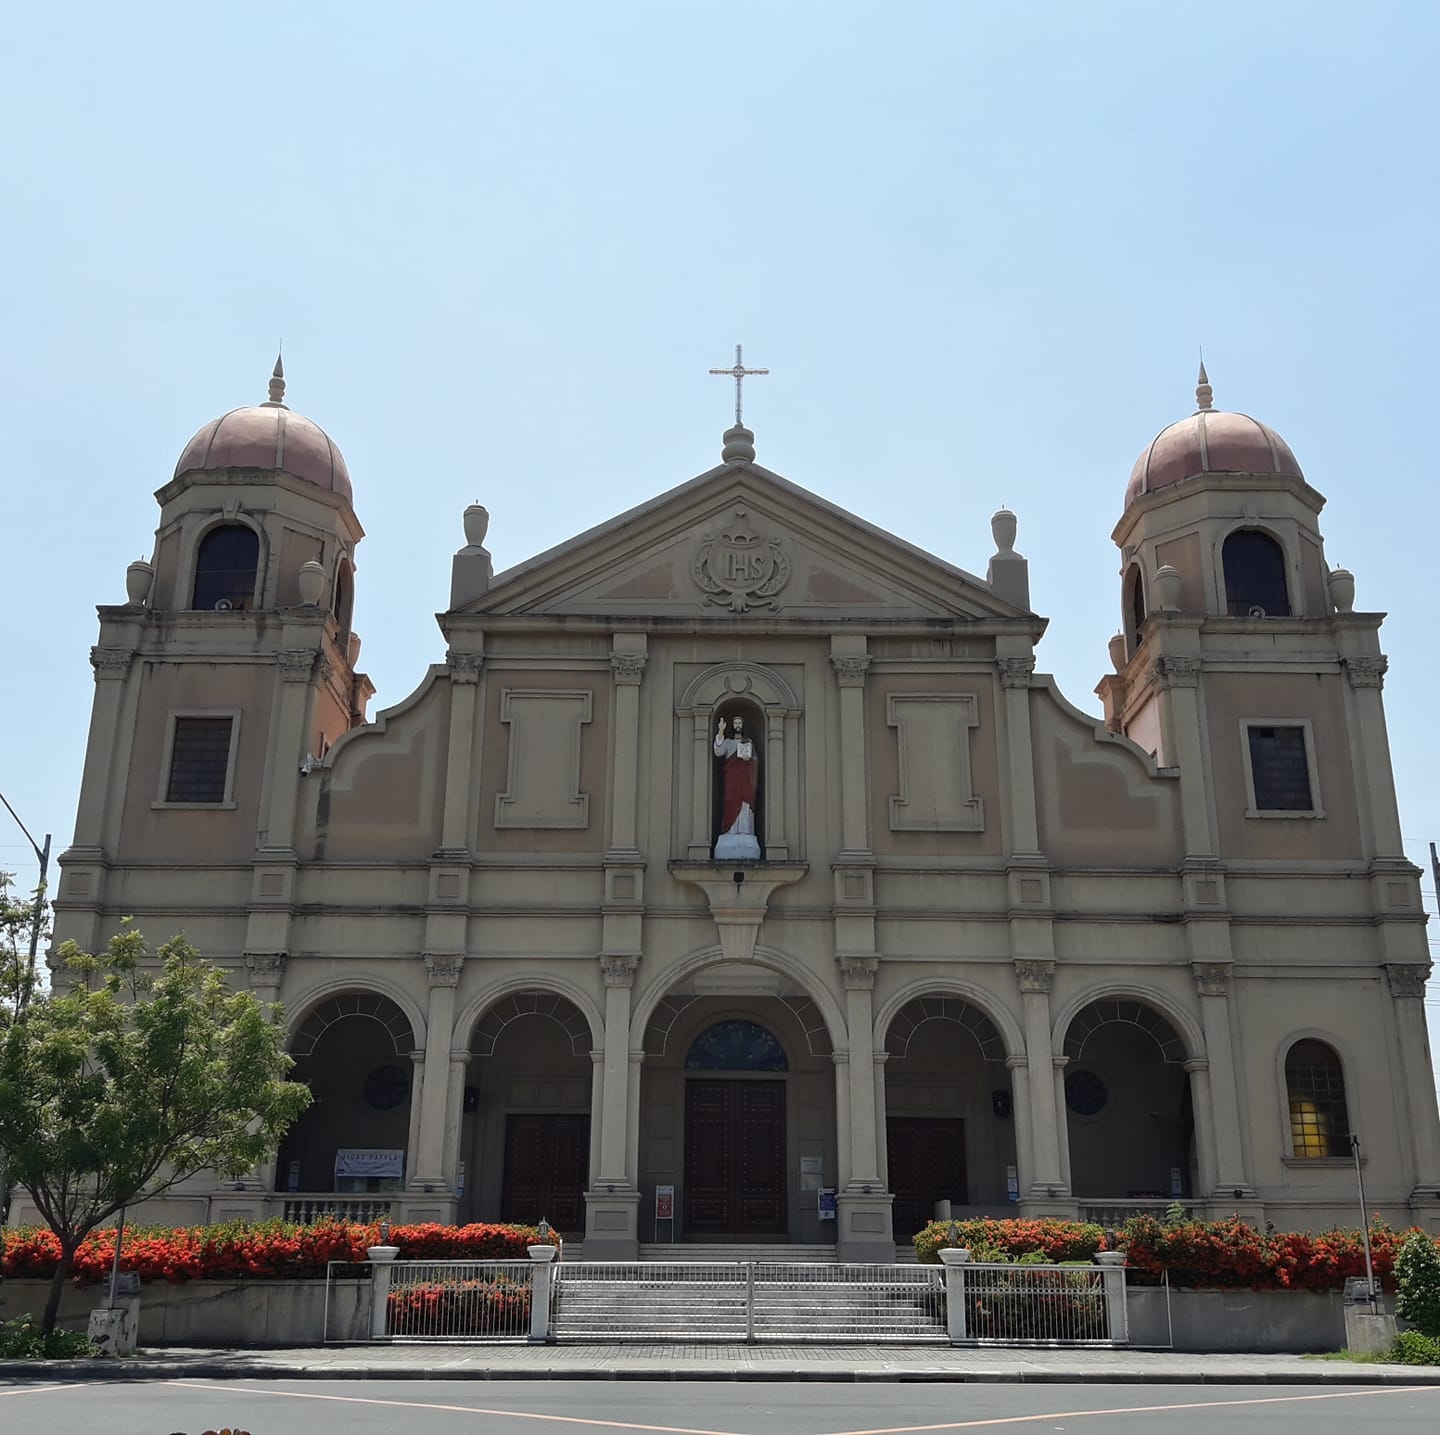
736	1046
1319	1124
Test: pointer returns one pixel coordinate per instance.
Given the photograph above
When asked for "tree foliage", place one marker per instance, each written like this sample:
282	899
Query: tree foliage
23	924
1417	1273
137	1074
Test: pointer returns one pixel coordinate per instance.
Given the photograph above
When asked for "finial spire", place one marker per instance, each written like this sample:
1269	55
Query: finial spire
1204	394
277	386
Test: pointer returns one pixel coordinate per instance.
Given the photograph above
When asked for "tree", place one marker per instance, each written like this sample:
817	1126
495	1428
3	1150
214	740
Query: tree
138	1075
23	926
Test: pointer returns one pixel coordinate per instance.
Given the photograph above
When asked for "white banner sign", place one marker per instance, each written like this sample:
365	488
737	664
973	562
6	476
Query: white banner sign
358	1161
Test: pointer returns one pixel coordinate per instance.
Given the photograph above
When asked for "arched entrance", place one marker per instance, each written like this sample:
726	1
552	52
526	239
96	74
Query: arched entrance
949	1124
355	1051
1128	1110
739	1117
525	1128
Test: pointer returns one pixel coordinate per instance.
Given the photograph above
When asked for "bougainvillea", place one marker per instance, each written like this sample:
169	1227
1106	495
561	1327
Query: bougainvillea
1196	1254
267	1250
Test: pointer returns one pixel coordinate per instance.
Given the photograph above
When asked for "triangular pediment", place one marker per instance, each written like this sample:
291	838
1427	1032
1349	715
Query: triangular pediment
740	541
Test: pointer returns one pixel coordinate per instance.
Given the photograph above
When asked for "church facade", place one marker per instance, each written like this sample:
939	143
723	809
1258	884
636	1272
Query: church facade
734	876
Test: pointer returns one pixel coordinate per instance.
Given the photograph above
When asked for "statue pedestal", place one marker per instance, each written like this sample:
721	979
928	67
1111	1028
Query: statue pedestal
738	897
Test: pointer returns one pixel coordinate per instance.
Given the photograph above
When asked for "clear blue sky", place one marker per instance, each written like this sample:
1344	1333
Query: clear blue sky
979	247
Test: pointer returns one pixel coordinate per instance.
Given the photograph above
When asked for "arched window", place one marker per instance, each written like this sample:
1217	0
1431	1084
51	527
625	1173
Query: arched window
1134	605
1255	576
1315	1085
344	597
225	568
736	1046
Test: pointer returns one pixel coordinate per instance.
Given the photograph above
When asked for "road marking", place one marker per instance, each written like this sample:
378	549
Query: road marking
41	1389
231	1390
1137	1410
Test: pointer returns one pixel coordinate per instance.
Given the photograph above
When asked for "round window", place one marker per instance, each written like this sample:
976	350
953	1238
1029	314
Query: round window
1085	1093
386	1087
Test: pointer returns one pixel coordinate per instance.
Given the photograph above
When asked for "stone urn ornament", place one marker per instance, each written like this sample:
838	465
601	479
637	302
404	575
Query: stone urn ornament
1166	587
312	583
1341	582
139	579
477	525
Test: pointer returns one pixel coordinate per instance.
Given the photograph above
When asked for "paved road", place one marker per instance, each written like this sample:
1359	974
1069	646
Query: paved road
311	1407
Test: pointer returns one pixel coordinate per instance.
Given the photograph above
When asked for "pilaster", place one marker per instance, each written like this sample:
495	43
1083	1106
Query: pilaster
465	669
1230	1178
1406	983
612	1204
1047	1179
443	974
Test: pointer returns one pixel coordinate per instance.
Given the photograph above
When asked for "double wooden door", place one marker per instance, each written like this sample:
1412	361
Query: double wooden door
547	1160
927	1164
735	1158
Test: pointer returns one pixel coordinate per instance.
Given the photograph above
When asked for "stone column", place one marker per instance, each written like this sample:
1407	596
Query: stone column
1019	1069
1047	1177
286	747
1015	671
1212	986
777	844
1370	751
444	977
1198	1071
702	757
1176	677
850	668
459	783
864	1206
459	1065
106	752
844	1164
267	973
627	664
1407	990
612	1205
597	1102
882	1134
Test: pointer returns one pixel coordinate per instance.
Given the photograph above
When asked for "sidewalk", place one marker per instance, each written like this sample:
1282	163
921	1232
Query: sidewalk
723	1362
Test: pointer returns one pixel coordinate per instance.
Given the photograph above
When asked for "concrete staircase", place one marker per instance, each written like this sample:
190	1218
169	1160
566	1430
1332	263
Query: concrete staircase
748	1299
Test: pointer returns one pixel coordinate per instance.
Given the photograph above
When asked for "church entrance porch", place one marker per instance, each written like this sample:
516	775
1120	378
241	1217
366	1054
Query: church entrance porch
525	1134
737	1120
735	1159
949	1113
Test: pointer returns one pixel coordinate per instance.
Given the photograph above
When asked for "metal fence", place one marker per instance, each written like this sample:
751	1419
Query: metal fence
452	1300
1036	1305
748	1301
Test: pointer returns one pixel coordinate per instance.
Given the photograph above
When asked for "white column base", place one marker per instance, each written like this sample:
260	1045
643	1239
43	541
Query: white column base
612	1225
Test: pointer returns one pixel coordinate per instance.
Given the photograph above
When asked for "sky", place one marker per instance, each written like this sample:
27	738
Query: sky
979	247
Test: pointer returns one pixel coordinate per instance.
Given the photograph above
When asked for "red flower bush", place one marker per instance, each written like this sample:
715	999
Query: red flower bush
457	1308
267	1250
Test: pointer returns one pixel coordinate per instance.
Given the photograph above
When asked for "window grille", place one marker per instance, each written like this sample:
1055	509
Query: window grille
199	760
1255	576
1280	769
225	567
1315	1083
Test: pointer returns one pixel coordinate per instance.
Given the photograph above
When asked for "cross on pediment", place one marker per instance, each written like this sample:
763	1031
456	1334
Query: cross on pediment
739	373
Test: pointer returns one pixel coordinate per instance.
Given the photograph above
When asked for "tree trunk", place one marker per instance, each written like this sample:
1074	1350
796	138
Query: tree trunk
57	1287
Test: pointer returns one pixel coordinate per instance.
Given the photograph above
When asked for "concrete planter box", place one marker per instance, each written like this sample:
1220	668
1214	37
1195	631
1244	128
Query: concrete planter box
1250	1322
216	1313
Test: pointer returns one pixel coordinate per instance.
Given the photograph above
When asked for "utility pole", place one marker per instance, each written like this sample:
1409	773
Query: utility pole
43	855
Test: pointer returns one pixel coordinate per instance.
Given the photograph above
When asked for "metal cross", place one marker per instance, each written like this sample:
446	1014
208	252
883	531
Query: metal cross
739	373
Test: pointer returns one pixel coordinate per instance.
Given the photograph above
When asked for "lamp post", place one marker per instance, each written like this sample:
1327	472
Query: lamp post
43	855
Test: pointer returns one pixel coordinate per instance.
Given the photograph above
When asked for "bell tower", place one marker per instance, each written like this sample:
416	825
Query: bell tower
228	670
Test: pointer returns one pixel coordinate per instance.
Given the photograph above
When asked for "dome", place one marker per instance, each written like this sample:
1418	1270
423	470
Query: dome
269	435
1210	441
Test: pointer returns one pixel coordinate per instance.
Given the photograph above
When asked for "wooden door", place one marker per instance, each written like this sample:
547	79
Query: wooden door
927	1164
735	1158
547	1162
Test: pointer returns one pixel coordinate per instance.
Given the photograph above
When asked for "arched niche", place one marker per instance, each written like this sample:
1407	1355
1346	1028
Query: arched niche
768	703
1256	580
227	567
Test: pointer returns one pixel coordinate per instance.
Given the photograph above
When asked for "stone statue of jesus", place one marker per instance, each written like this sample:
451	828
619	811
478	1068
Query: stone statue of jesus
739	776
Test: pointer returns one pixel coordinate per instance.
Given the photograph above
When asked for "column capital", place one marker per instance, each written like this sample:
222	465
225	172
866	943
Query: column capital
1034	976
443	971
1366	672
266	968
850	670
296	664
1017	1063
628	668
1197	1063
1015	672
110	663
464	667
460	1057
1212	979
618	969
859	972
1168	671
1407	979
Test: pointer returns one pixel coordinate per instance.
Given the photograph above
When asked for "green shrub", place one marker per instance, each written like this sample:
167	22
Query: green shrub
1414	1348
1417	1275
21	1340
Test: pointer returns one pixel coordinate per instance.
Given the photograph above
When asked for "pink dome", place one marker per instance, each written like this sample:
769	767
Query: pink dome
1210	441
269	436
